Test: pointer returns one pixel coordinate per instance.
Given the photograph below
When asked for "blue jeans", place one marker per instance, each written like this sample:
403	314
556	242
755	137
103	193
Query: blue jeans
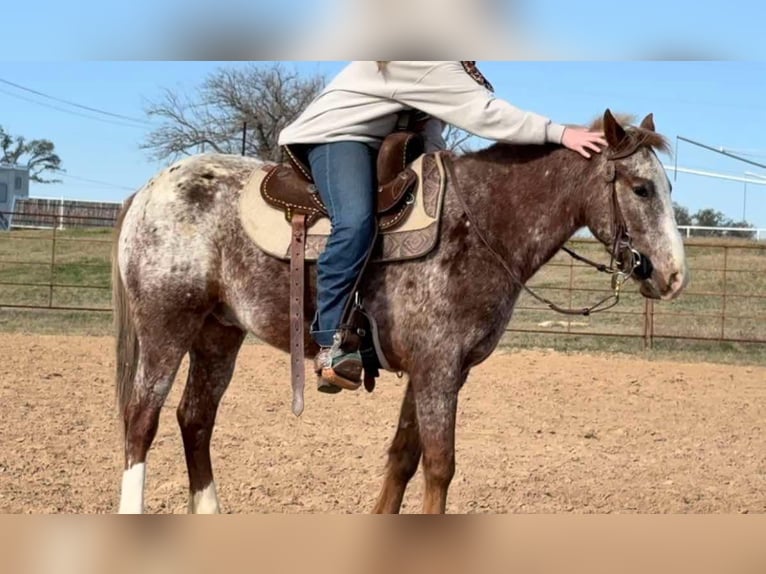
344	174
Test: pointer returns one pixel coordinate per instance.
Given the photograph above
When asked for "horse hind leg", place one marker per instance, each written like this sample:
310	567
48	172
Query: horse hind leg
161	351
403	458
211	366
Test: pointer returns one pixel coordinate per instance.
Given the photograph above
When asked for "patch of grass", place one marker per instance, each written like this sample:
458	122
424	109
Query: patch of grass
717	304
50	322
662	349
68	268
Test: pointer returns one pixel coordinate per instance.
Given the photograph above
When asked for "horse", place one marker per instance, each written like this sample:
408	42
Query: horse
187	279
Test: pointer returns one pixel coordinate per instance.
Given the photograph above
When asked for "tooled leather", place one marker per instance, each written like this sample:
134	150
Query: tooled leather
390	221
390	195
289	206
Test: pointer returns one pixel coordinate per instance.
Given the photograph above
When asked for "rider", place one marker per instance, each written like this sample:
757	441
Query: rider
339	134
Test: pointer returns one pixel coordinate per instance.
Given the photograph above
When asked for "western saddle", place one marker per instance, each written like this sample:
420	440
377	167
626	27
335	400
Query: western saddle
290	187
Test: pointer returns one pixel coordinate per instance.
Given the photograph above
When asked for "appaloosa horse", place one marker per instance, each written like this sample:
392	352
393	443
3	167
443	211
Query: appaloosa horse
187	279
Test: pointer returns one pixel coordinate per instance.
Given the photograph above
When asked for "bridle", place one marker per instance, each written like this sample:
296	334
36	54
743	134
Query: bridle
625	260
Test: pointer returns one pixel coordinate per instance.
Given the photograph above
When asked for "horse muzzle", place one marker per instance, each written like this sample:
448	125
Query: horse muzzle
658	285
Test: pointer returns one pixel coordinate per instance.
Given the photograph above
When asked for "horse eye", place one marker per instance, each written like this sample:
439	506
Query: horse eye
644	190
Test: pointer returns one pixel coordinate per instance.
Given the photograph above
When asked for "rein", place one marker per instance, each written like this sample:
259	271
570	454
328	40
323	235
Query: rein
622	250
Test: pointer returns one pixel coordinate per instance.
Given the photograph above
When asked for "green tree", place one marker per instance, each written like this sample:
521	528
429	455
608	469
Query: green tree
682	215
38	155
742	233
709	218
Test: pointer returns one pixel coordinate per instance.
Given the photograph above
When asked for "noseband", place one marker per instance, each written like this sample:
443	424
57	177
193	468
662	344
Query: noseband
625	260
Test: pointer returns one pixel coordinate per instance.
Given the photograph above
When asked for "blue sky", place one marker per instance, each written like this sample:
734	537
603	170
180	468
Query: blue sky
596	29
718	103
651	29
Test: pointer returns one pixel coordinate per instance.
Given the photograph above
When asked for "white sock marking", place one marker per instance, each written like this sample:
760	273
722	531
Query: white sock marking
132	494
204	501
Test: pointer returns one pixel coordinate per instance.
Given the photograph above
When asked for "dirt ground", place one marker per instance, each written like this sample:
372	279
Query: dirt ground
537	432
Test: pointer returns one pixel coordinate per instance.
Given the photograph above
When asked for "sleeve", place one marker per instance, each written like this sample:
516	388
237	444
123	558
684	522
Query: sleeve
447	92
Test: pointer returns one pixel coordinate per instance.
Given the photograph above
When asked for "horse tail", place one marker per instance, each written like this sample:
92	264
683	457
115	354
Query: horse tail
125	330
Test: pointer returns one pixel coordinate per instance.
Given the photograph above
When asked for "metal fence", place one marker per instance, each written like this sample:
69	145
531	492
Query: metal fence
69	269
724	302
60	263
689	231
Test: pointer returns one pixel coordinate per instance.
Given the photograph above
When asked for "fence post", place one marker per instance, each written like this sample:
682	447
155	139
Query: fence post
648	324
725	280
571	280
61	213
52	276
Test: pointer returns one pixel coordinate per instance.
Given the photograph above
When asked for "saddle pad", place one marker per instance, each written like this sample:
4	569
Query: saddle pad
414	238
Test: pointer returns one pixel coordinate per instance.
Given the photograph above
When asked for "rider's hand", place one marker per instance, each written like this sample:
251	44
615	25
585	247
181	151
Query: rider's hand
582	140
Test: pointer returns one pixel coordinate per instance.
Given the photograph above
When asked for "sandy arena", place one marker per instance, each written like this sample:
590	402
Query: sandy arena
537	432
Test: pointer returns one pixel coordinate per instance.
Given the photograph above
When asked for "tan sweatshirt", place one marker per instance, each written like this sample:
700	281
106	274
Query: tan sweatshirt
361	104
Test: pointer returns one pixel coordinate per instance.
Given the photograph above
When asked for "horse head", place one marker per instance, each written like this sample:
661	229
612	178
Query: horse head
632	213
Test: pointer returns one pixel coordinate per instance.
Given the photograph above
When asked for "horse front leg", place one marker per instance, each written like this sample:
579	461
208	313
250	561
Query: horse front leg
435	393
403	458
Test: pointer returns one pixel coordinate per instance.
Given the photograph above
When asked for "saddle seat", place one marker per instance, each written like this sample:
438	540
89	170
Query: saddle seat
290	187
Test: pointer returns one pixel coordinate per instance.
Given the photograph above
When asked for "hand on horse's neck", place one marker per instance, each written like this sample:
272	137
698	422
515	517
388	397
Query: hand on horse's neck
536	205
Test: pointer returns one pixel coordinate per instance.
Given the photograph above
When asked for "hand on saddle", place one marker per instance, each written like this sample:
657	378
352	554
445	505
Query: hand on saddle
582	140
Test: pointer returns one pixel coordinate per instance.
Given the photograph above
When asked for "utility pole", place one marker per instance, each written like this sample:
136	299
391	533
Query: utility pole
744	204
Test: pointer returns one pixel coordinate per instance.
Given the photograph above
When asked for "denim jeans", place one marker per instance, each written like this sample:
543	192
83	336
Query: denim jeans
344	174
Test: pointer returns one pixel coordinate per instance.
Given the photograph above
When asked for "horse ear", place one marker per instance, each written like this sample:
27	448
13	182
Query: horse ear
612	130
648	123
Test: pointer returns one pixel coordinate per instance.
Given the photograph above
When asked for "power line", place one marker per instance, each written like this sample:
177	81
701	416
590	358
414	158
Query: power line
71	112
75	104
97	182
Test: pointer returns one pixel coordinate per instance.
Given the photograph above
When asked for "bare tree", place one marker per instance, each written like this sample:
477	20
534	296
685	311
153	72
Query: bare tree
458	140
266	97
38	155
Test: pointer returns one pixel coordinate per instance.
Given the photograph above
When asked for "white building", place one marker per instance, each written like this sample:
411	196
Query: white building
14	182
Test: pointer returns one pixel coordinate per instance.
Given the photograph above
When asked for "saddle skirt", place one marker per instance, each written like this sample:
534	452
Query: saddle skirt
414	237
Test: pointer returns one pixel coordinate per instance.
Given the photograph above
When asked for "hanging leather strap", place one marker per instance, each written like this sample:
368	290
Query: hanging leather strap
297	286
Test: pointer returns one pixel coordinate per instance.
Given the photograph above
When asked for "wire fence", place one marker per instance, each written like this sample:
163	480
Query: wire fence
67	268
60	262
725	301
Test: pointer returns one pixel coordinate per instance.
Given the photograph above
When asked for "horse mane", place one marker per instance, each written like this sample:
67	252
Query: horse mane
648	138
652	139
